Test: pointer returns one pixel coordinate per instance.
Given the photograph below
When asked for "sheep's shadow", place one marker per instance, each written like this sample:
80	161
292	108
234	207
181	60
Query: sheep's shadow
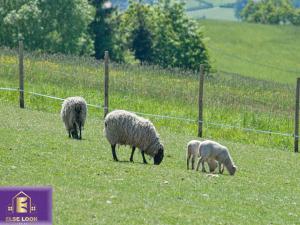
125	161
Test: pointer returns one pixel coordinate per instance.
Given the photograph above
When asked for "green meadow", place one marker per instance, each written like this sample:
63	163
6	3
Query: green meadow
90	188
239	97
261	51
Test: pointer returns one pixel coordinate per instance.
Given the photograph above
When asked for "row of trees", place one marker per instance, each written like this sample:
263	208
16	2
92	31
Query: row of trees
271	12
156	34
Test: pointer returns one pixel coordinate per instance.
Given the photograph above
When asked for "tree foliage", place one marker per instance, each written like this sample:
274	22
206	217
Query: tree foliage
48	25
270	12
162	34
102	30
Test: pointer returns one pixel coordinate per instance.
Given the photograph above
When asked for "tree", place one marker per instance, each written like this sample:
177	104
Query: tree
268	12
141	36
167	36
47	25
102	28
239	6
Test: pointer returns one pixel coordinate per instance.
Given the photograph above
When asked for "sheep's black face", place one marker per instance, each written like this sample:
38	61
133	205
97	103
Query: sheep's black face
74	134
232	170
159	156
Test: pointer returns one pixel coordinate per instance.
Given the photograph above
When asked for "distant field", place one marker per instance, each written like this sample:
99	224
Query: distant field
215	13
245	48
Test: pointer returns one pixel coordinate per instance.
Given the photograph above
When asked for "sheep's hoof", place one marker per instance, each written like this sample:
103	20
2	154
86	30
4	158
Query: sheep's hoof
131	160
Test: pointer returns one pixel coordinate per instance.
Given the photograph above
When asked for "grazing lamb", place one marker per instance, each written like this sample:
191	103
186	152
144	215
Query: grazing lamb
193	152
212	150
73	114
126	128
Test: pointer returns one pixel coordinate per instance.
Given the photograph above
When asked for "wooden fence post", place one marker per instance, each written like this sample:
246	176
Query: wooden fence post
21	73
106	80
296	134
200	101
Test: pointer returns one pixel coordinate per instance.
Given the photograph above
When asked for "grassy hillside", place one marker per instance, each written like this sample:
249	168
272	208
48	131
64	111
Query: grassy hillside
89	188
215	13
244	48
229	100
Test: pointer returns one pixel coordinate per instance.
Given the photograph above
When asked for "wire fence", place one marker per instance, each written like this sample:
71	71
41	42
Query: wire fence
231	101
163	116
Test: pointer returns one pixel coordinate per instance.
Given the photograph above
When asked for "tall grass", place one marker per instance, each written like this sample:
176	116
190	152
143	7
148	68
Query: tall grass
229	99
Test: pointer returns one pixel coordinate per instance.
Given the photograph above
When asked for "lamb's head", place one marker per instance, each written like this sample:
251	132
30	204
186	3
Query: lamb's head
159	155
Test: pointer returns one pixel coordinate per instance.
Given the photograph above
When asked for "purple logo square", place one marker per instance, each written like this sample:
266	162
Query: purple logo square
26	205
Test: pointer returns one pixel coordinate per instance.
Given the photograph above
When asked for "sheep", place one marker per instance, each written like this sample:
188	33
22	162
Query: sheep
193	152
73	114
126	128
212	150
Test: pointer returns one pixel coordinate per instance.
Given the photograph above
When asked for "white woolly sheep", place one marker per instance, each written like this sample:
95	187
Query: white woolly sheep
73	114
212	150
193	153
126	128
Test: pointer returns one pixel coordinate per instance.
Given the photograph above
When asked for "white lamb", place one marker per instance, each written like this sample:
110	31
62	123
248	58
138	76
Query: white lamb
210	150
193	153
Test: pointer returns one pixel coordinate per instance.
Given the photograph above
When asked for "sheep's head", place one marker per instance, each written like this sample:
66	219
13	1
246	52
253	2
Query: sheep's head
159	156
232	170
74	134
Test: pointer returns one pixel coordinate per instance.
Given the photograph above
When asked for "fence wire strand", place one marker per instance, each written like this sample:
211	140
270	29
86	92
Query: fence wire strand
166	116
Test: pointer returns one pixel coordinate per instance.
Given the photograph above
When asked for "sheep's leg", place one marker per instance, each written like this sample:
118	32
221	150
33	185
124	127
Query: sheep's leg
113	150
188	161
144	159
69	133
74	131
79	130
221	170
132	153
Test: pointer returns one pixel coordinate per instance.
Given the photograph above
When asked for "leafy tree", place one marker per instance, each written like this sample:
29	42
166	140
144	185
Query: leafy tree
239	6
140	38
48	25
268	12
171	38
102	29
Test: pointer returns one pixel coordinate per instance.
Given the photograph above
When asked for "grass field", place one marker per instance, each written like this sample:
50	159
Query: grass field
215	13
240	101
242	48
89	188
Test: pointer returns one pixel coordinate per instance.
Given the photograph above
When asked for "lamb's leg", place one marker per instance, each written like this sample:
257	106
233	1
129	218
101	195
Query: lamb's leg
203	167
188	161
144	159
198	165
201	160
132	153
193	162
113	150
69	133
